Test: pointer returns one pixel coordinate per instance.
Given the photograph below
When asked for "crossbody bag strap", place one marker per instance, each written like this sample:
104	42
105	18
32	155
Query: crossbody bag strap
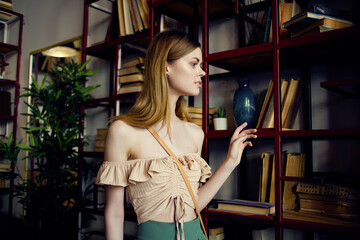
167	149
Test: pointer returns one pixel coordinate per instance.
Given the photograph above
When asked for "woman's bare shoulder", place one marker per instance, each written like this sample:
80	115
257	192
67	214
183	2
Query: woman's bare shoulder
119	127
196	133
119	141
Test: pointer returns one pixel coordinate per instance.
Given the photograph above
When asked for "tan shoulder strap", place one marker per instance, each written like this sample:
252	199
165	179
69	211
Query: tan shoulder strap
167	149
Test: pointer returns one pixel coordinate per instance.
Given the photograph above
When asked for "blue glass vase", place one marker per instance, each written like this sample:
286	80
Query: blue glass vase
244	103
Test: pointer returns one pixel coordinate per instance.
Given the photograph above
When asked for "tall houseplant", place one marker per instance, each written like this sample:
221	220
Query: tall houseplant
51	198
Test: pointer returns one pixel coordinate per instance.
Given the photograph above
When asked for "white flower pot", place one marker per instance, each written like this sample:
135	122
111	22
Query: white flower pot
220	123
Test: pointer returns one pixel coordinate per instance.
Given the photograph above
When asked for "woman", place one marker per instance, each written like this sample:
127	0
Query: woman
134	159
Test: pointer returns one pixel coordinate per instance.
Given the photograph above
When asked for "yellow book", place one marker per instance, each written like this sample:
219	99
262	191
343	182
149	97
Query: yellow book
293	168
131	88
121	18
143	14
133	18
133	62
137	15
265	104
138	77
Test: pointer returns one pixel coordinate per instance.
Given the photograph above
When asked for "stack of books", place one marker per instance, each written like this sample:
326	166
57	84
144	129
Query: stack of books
133	16
100	139
328	199
7	4
196	115
310	22
131	76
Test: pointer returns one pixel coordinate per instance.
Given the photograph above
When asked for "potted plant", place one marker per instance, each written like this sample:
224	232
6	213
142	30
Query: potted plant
220	121
50	197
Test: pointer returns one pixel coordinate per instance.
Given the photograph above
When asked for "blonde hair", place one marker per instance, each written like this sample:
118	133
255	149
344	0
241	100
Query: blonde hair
152	104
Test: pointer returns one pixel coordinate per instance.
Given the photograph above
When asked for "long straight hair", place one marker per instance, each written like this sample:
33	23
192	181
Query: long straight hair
152	104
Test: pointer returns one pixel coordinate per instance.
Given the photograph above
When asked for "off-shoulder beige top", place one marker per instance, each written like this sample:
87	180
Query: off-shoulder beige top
156	188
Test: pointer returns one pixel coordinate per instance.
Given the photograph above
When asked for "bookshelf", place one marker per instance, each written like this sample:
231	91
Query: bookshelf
11	29
276	58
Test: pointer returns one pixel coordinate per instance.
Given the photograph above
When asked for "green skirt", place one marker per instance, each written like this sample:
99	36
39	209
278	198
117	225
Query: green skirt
153	230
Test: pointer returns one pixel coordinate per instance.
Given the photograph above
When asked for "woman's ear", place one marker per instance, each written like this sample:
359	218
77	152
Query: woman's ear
167	67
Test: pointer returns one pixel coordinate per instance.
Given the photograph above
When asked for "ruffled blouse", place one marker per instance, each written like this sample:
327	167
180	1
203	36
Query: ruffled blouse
155	184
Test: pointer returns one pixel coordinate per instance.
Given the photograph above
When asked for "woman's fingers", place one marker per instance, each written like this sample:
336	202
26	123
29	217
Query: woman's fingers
239	129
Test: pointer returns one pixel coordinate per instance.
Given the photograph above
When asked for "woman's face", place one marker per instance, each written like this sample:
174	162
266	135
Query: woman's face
185	74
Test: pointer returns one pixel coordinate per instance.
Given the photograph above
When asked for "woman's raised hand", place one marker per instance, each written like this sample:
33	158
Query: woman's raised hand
238	142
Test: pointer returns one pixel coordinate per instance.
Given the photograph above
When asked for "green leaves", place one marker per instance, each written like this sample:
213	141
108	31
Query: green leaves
51	198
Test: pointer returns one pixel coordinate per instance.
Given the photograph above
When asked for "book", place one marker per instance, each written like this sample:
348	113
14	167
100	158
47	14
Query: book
131	88
129	70
321	25
268	121
195	115
265	104
198	121
307	18
6	4
326	190
129	28
288	100
272	183
247	207
138	77
286	15
295	103
267	26
137	15
217	233
265	176
295	165
199	110
143	13
121	18
338	205
133	62
331	207
132	14
101	131
5	167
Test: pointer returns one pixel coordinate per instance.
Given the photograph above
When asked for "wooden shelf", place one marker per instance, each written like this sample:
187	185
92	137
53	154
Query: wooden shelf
7	82
321	223
217	9
320	133
8	117
107	50
218	134
320	48
8	48
240	217
348	88
300	53
246	60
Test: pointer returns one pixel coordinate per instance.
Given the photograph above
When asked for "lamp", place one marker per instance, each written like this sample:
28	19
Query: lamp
60	51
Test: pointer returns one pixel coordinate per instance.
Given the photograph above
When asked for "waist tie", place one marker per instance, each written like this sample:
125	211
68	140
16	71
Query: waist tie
179	217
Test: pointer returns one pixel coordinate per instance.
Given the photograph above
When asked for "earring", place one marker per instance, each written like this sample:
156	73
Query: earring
167	76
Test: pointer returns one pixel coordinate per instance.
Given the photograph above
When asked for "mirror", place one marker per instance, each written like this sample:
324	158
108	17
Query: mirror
44	59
